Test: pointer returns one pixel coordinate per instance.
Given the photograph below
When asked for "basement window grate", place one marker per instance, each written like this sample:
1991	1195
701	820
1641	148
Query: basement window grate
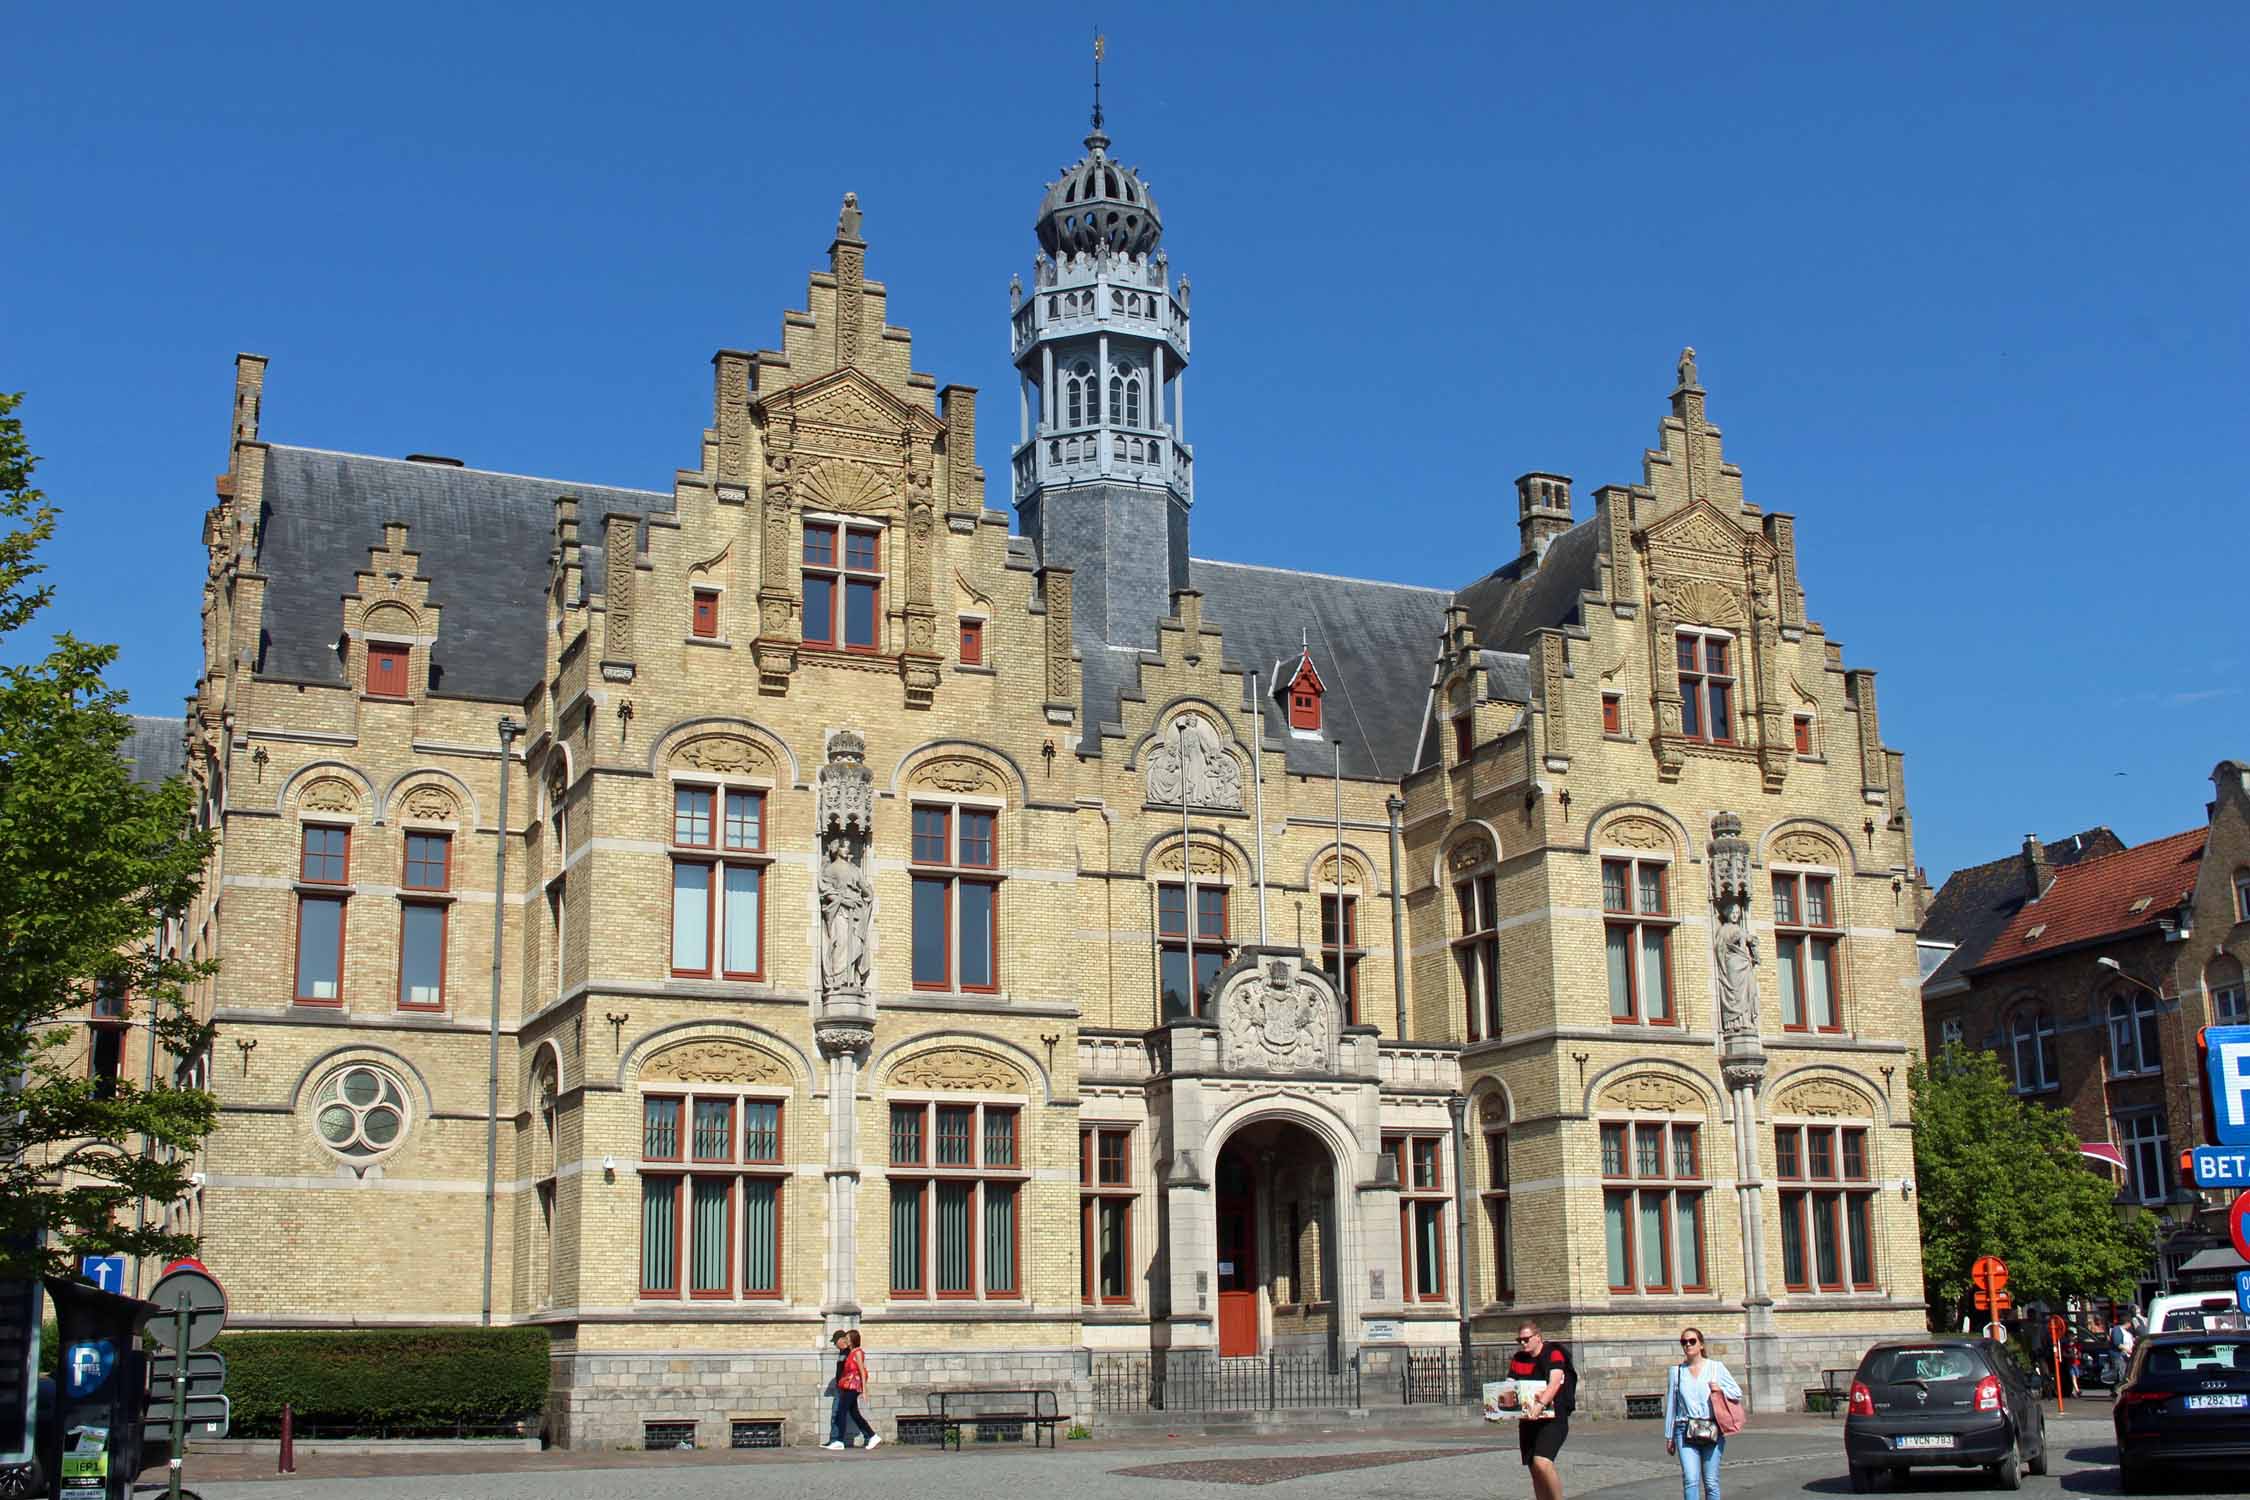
1645	1408
921	1432
660	1435
755	1435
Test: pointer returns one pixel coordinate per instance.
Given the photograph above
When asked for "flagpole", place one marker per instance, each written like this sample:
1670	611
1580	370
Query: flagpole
1187	899
1339	861
1258	798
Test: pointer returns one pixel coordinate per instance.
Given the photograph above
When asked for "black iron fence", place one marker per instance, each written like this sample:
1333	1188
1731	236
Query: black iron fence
1194	1381
1434	1376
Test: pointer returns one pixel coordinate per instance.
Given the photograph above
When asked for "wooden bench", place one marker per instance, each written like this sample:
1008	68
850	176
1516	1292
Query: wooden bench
995	1406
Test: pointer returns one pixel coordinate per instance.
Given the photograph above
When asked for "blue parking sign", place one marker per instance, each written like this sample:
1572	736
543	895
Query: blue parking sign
2228	1062
2242	1290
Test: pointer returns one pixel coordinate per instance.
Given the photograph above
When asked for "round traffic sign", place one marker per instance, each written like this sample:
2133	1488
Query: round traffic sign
2238	1224
1990	1272
200	1293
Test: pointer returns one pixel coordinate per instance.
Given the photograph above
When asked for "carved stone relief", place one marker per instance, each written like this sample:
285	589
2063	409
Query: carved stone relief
715	1062
1805	849
847	897
957	773
433	803
1823	1099
1699	601
1208	861
1652	1091
1277	1019
725	754
1636	833
854	489
1468	854
962	1068
1193	767
330	794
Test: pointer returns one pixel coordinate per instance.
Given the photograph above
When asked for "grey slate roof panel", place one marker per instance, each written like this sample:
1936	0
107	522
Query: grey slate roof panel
484	539
1507	676
1509	603
1372	643
155	750
1975	904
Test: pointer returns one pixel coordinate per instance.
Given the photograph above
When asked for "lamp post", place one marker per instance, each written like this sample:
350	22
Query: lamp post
1457	1105
509	729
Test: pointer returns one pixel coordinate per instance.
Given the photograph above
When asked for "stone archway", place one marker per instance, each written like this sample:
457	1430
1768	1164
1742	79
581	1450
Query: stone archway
1274	1192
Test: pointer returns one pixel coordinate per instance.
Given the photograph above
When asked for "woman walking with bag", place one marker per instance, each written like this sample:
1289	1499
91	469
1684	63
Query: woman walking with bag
1702	1404
851	1379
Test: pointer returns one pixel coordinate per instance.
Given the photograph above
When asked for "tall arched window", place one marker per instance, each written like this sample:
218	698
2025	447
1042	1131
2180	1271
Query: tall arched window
2034	1037
2134	1043
2242	894
1078	393
1116	396
1133	399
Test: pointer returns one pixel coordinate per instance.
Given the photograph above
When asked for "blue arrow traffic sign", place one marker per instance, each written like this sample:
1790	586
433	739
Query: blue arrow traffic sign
104	1271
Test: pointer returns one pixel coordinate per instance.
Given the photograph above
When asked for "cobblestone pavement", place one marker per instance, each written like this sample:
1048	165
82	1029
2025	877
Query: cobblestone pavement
1778	1457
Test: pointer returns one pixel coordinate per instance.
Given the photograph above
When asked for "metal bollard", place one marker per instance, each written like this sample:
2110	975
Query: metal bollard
288	1439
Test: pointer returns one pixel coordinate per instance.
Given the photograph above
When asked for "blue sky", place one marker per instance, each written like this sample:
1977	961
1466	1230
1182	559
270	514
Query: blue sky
1966	283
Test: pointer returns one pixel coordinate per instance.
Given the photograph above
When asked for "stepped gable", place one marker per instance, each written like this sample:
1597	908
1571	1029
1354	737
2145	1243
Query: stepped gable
1509	603
485	539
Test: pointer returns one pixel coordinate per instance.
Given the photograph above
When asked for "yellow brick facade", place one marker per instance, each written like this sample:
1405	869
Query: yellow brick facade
634	705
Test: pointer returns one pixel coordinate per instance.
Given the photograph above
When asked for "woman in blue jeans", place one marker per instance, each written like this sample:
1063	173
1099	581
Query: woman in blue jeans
1687	1396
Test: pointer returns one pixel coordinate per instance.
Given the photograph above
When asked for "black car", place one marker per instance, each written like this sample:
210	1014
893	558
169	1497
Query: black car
2185	1403
1959	1402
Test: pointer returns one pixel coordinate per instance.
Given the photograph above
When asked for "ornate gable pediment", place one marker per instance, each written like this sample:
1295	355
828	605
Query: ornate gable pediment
851	399
1699	532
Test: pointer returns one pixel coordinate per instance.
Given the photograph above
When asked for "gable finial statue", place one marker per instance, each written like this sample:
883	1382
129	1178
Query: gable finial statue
1687	368
1734	952
847	220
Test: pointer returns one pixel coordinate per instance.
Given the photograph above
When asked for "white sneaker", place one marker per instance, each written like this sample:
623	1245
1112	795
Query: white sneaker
831	1444
874	1440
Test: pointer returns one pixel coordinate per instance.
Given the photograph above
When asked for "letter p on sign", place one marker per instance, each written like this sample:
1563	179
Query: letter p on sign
2228	1053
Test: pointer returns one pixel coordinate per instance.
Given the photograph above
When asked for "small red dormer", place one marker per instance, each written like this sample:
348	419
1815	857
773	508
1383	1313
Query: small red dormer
1303	691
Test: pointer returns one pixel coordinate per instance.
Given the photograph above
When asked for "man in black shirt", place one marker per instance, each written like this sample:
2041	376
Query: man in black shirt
1546	1413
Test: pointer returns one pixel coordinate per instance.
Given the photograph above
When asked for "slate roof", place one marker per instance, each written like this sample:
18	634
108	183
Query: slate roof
1509	603
485	540
2096	898
1975	903
156	749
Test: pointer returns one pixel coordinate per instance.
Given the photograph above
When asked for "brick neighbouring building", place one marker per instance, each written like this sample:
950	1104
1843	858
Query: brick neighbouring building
2115	1048
999	1127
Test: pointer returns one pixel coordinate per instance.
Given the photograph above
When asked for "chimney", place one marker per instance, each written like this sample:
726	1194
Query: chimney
2037	873
1542	511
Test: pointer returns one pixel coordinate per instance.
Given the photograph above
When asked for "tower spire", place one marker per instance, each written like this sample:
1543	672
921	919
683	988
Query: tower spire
1097	141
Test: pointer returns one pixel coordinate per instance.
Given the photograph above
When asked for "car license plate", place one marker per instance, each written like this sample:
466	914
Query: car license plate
2217	1403
1923	1440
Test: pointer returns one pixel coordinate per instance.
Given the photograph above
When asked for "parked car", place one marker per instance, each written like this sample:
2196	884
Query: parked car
2190	1312
1959	1402
2185	1403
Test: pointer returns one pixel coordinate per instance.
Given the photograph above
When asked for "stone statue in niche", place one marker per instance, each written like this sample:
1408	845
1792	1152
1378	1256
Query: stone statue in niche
1192	768
847	897
847	908
1734	952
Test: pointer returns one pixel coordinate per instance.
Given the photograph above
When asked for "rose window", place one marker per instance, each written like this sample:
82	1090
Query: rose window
360	1112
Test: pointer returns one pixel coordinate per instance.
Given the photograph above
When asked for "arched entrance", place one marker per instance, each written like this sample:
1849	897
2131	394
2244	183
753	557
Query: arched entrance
1275	1192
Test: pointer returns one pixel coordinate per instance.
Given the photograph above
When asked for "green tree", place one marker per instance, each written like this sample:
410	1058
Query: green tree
2002	1176
90	863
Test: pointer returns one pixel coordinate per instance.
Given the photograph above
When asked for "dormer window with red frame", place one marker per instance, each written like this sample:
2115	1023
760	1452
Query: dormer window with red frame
843	575
386	671
1303	692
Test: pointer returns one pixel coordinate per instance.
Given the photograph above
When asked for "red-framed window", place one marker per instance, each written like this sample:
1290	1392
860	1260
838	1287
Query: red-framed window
956	898
1105	1215
1304	704
1476	954
387	671
1422	1200
718	896
323	859
1827	1202
1706	686
1803	726
423	924
2038	1065
1808	952
1613	714
843	582
956	1176
1637	938
703	618
711	1228
1496	1215
1340	950
1652	1206
1211	946
972	642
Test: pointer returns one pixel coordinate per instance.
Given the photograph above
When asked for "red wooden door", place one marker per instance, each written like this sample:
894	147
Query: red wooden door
1238	1274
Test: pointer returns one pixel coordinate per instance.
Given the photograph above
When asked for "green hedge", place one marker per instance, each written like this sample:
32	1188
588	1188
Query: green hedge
385	1377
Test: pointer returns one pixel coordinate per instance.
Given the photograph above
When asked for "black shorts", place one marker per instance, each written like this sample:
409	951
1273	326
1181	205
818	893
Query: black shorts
1543	1437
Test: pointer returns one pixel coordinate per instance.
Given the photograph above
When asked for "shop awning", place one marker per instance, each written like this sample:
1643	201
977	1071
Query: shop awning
2103	1151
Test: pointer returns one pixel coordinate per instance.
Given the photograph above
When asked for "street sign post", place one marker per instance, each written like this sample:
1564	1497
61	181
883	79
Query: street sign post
191	1289
206	1376
1990	1278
